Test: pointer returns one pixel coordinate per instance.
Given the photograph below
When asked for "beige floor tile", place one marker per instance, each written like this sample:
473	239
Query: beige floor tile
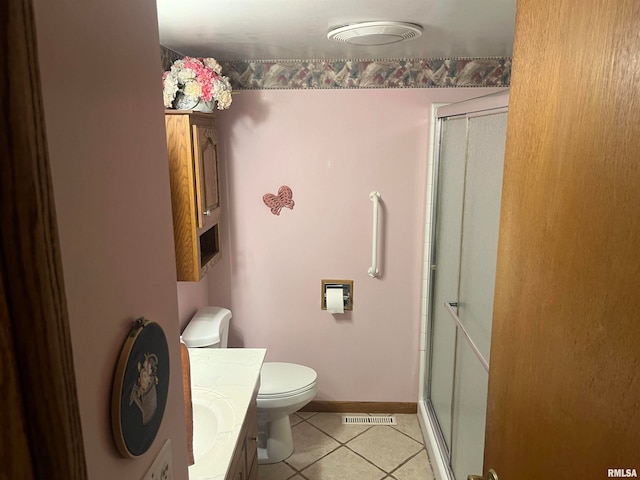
297	477
418	468
408	424
306	414
275	471
309	444
385	447
294	419
343	464
331	424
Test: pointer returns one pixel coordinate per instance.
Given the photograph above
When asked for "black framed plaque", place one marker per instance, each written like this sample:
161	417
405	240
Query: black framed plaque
140	388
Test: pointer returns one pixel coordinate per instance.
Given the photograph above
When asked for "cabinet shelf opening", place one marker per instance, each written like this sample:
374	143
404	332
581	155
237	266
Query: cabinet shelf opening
209	245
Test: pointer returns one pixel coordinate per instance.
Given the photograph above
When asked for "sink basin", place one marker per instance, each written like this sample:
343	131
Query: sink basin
213	421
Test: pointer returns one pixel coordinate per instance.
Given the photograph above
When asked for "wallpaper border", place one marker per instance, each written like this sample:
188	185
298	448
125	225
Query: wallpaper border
353	74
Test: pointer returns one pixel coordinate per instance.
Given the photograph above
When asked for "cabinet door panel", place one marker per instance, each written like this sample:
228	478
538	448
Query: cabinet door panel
206	151
252	442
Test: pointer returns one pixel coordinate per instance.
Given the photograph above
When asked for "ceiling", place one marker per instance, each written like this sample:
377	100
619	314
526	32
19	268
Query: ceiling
297	29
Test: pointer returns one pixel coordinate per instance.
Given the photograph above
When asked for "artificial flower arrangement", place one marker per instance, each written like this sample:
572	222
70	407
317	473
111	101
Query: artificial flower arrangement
193	81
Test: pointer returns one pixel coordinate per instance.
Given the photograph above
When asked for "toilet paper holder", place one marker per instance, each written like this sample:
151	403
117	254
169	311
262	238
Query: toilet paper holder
347	292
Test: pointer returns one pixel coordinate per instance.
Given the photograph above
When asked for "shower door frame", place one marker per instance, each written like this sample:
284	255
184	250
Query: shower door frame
481	106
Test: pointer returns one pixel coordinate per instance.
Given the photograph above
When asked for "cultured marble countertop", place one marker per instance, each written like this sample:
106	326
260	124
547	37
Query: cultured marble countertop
226	380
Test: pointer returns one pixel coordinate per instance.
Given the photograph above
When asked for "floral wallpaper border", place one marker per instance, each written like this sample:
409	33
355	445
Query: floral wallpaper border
167	57
336	74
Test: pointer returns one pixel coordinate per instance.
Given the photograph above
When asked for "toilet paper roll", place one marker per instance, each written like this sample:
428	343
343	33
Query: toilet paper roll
335	302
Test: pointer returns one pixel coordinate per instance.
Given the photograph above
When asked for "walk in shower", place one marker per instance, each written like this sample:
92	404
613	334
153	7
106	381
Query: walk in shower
462	241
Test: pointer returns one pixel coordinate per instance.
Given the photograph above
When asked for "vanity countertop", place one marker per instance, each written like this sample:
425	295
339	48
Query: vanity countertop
231	377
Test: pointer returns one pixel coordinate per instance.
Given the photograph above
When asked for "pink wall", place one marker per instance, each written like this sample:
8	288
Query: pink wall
191	296
100	69
332	147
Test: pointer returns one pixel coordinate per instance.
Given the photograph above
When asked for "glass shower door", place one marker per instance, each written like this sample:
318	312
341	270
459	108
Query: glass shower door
479	251
470	186
449	231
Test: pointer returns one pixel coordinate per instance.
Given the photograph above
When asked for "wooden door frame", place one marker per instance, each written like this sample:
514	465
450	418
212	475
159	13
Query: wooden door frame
40	419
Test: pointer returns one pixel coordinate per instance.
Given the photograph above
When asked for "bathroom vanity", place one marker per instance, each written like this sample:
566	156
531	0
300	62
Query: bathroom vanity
225	383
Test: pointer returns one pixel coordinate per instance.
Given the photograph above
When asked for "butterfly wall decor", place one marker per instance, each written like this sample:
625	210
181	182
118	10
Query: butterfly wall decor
284	198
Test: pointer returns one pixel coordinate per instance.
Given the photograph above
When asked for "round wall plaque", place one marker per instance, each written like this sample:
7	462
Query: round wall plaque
140	388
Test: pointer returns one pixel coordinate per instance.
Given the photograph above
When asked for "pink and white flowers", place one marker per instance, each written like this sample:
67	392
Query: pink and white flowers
197	79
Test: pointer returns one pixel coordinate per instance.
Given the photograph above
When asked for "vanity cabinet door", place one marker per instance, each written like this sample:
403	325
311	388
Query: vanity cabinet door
206	170
237	471
252	442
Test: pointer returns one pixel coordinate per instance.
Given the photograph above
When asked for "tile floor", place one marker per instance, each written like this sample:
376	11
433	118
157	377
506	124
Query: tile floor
325	449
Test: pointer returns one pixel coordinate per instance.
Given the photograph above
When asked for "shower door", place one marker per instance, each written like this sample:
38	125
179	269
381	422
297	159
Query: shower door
469	185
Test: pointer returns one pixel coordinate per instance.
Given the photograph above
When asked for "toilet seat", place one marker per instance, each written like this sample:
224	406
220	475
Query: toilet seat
281	380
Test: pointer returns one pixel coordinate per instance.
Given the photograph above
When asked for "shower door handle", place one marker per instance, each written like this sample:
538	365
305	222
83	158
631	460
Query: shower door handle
491	475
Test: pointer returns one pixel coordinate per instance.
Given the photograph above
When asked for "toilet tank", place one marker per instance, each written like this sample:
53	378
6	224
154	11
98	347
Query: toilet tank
209	328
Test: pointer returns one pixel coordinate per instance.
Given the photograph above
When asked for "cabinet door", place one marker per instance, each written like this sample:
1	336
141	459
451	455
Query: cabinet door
238	466
206	169
252	442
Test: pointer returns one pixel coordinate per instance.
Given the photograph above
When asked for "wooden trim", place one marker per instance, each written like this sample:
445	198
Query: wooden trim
199	173
39	414
360	407
182	180
12	421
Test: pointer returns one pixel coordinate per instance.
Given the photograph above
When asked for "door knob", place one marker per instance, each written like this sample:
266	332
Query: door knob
491	475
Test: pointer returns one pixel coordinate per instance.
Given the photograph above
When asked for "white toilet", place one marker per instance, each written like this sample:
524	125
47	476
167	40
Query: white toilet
284	387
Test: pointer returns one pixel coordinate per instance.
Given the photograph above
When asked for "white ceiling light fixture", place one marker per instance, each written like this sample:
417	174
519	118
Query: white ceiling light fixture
375	33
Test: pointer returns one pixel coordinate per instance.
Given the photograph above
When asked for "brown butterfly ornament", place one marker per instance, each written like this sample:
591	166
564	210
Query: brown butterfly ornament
284	198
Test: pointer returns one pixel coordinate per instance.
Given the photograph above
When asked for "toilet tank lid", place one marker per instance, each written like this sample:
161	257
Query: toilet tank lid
204	329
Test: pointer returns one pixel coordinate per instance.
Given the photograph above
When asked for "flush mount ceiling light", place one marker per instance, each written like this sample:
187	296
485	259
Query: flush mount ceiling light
375	33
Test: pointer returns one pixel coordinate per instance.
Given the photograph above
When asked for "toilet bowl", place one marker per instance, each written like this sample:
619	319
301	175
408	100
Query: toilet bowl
284	387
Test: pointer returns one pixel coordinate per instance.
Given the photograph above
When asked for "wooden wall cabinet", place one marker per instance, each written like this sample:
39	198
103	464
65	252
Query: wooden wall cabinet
244	465
192	145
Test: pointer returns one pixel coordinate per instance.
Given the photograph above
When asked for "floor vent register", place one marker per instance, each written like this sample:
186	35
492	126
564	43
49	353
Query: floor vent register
369	420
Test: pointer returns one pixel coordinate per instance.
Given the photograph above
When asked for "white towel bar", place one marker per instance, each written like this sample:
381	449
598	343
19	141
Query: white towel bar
454	316
373	270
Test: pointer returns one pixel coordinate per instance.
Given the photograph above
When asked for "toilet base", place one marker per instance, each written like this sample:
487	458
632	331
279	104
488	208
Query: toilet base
275	442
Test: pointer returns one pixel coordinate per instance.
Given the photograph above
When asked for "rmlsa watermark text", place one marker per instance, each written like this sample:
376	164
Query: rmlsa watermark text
622	473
